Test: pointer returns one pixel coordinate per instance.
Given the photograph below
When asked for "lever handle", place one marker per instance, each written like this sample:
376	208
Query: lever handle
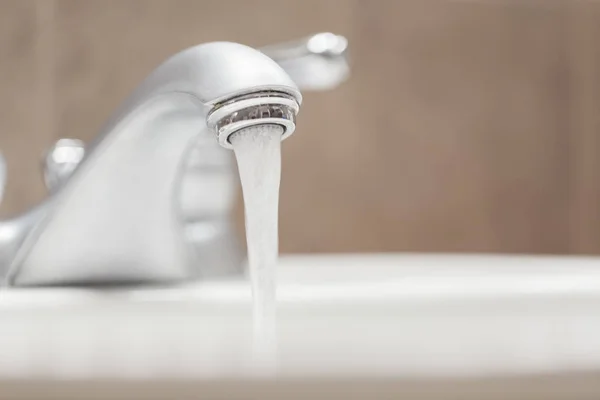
317	62
61	160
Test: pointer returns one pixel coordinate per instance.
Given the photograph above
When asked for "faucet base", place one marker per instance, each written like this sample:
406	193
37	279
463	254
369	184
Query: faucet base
117	219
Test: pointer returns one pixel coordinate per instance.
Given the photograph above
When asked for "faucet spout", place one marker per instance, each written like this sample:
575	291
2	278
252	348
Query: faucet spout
119	218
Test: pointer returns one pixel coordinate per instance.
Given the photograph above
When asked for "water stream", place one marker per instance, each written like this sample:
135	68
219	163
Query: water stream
258	153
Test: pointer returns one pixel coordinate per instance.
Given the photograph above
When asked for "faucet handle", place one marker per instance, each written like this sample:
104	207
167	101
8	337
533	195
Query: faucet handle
317	62
61	160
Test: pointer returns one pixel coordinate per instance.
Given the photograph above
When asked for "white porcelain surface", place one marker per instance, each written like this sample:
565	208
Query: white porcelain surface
339	316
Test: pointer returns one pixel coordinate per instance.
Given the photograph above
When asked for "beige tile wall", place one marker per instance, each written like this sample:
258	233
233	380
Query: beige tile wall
466	126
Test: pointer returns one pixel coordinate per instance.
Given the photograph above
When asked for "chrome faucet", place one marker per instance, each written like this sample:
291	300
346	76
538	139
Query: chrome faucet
149	200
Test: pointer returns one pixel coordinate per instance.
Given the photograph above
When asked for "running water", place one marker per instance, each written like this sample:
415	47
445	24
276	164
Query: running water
258	153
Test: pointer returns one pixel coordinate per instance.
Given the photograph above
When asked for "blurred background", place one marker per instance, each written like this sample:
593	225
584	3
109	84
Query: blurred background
466	125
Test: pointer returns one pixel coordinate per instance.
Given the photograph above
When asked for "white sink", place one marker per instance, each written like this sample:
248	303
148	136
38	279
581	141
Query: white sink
432	317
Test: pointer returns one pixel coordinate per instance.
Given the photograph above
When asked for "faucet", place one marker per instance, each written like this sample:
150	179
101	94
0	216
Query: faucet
148	201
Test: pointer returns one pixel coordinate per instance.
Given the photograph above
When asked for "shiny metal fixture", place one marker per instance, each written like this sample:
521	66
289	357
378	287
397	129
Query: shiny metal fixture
246	111
149	200
61	161
318	62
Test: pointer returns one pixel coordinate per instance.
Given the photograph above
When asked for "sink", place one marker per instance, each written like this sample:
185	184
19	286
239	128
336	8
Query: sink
407	317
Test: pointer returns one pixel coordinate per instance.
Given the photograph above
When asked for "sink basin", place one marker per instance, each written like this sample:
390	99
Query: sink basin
399	317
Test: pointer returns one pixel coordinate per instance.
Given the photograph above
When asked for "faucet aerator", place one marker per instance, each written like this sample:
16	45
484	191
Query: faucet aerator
261	108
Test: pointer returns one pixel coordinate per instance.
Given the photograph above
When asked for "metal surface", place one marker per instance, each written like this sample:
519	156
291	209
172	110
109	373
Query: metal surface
61	161
119	218
317	62
259	108
149	200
